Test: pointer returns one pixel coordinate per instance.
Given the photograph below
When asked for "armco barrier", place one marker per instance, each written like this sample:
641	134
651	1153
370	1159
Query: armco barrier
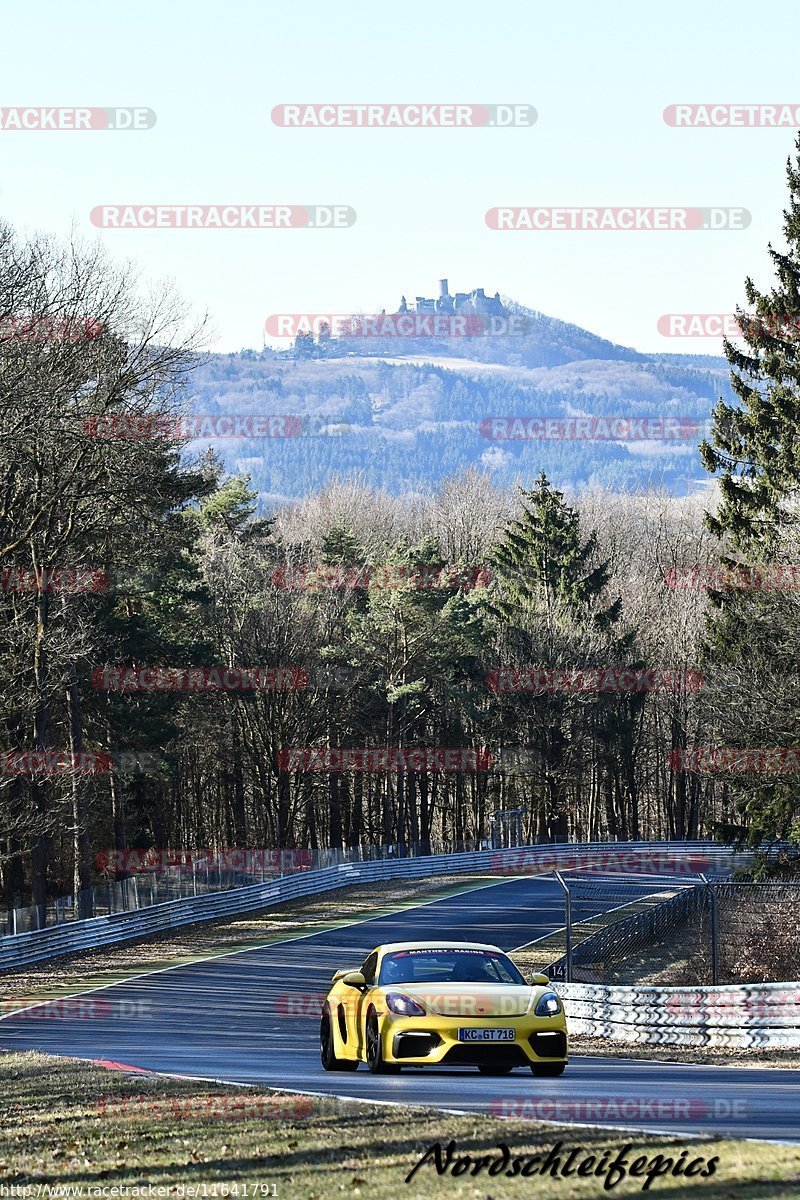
636	857
738	1016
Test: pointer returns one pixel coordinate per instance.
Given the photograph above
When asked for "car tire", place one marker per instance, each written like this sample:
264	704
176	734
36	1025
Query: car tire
495	1070
327	1052
548	1070
374	1050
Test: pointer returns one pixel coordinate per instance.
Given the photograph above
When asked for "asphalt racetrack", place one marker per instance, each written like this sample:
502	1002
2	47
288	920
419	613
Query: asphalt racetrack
253	1017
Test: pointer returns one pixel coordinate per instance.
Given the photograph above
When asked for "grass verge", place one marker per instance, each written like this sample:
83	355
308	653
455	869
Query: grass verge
68	1123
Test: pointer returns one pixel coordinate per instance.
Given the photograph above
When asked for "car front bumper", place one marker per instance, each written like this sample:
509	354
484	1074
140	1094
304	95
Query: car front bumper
433	1040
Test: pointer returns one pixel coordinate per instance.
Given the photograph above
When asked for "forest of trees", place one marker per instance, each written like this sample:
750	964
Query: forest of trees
389	617
408	426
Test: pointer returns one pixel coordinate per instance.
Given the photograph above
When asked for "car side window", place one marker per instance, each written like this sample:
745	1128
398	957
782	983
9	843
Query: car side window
368	969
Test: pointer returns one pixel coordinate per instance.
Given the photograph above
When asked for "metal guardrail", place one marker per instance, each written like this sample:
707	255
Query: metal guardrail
742	1016
34	946
153	876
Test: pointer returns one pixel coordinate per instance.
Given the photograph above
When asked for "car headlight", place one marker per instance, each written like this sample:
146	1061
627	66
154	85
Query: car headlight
404	1006
547	1005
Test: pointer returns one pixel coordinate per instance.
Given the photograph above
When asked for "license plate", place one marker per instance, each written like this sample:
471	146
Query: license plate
486	1035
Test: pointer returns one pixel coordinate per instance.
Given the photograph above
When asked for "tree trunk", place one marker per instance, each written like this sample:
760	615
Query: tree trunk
40	851
81	841
238	800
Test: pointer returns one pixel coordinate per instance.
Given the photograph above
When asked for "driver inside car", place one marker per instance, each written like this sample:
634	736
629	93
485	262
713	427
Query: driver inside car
471	971
398	970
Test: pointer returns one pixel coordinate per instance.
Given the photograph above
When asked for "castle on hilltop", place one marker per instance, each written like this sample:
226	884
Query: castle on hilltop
463	302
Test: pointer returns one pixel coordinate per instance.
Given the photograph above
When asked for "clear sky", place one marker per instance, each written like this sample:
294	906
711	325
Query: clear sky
599	77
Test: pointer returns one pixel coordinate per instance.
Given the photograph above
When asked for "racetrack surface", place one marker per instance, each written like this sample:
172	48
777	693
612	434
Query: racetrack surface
253	1017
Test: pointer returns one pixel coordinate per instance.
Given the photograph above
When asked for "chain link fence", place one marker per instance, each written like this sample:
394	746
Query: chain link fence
701	931
155	876
151	886
742	933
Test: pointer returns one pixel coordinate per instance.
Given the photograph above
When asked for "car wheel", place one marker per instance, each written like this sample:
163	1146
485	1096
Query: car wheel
326	1051
375	1050
548	1070
495	1070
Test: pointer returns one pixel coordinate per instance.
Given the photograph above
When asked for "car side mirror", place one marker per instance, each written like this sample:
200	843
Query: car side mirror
539	980
354	979
337	975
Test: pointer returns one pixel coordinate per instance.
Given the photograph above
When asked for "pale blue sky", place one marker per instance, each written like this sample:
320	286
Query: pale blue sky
599	76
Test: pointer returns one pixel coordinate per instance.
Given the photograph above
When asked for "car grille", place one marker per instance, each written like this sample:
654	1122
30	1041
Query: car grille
485	1056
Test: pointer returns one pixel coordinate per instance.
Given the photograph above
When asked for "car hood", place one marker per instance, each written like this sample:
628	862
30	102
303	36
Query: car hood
469	1000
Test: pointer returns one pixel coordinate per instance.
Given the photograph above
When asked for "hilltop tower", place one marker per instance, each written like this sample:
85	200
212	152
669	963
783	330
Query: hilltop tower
444	304
475	301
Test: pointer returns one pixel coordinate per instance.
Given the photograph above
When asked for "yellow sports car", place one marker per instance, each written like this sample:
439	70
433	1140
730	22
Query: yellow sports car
450	1004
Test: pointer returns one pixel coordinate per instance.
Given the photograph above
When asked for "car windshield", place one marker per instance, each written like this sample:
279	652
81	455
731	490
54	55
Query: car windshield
448	965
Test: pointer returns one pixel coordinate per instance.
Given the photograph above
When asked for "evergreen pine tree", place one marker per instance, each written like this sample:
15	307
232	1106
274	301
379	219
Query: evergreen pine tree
549	605
752	634
756	445
341	547
542	562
